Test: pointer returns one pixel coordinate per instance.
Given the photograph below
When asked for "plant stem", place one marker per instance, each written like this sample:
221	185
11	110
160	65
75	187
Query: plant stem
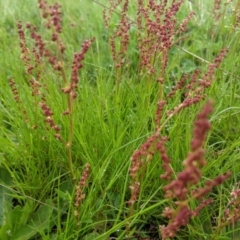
70	136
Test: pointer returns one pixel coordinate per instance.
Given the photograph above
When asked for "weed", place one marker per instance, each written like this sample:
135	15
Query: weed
120	115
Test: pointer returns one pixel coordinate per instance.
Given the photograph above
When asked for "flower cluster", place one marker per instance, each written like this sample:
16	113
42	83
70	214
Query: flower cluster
25	52
185	187
195	160
158	115
167	175
111	8
179	86
217	9
137	162
76	66
53	17
232	212
160	30
33	59
143	155
195	89
79	195
14	90
237	16
122	32
183	25
41	51
160	26
48	118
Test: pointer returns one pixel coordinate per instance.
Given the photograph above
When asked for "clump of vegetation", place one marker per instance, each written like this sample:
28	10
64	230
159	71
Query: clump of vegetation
135	135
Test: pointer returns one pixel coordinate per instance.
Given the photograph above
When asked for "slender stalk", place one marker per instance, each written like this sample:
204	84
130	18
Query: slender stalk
70	135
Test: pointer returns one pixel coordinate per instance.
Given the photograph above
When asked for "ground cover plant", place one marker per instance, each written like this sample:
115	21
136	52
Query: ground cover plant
119	119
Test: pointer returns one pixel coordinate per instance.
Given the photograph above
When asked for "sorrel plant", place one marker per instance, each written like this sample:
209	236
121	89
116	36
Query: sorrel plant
38	59
120	159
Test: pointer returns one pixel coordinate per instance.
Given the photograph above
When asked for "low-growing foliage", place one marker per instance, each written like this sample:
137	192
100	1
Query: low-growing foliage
120	120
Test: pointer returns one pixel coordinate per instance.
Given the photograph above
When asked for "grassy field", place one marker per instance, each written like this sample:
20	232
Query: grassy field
119	120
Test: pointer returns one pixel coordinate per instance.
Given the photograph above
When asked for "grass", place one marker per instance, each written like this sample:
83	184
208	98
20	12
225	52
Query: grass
113	116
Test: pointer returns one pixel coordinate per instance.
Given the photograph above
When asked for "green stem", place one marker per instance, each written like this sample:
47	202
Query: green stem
70	136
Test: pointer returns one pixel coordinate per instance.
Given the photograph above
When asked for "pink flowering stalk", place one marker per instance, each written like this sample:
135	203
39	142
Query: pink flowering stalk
217	9
230	216
182	190
195	93
36	59
157	31
79	192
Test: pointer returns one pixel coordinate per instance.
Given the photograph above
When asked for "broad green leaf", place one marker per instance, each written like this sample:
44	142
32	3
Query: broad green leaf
5	198
16	216
90	236
65	194
5	232
26	211
41	221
